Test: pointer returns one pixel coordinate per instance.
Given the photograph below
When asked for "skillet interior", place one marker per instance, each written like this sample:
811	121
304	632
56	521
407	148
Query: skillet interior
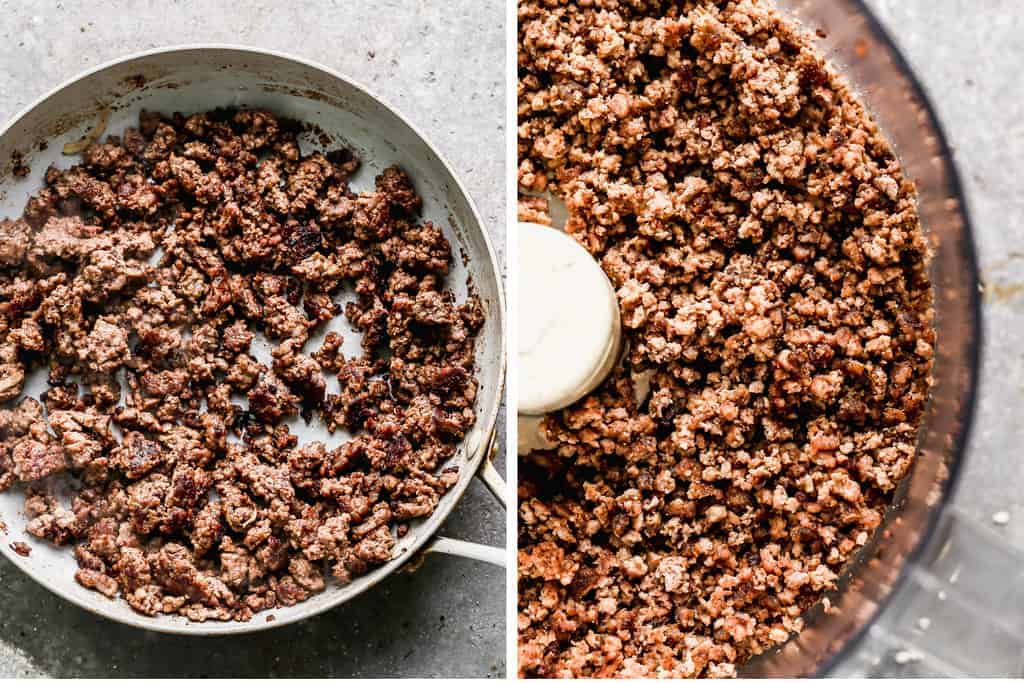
190	79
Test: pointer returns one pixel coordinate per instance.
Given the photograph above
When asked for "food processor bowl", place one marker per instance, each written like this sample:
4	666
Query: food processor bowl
896	563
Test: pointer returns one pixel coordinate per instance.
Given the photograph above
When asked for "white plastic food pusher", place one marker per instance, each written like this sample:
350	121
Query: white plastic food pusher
570	334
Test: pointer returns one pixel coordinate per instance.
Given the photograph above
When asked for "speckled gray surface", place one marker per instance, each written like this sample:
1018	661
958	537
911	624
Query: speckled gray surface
442	65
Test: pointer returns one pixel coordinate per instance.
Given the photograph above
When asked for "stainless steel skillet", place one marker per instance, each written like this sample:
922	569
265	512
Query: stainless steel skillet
202	77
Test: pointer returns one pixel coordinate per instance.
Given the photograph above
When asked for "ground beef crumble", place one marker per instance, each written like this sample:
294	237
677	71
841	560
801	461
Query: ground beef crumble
772	278
156	260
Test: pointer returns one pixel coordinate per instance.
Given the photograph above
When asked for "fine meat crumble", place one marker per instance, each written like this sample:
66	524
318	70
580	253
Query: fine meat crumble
154	261
772	277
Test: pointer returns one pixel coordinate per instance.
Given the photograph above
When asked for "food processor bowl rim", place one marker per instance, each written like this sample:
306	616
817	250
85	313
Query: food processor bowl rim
967	410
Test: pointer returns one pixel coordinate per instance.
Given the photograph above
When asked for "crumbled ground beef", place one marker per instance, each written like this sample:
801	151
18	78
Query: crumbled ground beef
772	277
157	259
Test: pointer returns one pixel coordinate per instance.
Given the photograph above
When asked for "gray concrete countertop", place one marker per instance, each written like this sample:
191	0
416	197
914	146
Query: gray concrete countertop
442	65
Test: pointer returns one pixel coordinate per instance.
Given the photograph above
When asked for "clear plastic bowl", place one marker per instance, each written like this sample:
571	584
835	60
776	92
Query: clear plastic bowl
893	563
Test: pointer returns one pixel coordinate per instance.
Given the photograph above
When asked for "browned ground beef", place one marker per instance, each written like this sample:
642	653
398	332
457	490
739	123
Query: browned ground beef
169	512
772	275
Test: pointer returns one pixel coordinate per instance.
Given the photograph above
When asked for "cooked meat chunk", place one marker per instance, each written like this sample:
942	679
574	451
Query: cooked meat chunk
35	460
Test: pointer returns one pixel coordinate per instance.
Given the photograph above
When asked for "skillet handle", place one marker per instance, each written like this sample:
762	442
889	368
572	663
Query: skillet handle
490	477
471	551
